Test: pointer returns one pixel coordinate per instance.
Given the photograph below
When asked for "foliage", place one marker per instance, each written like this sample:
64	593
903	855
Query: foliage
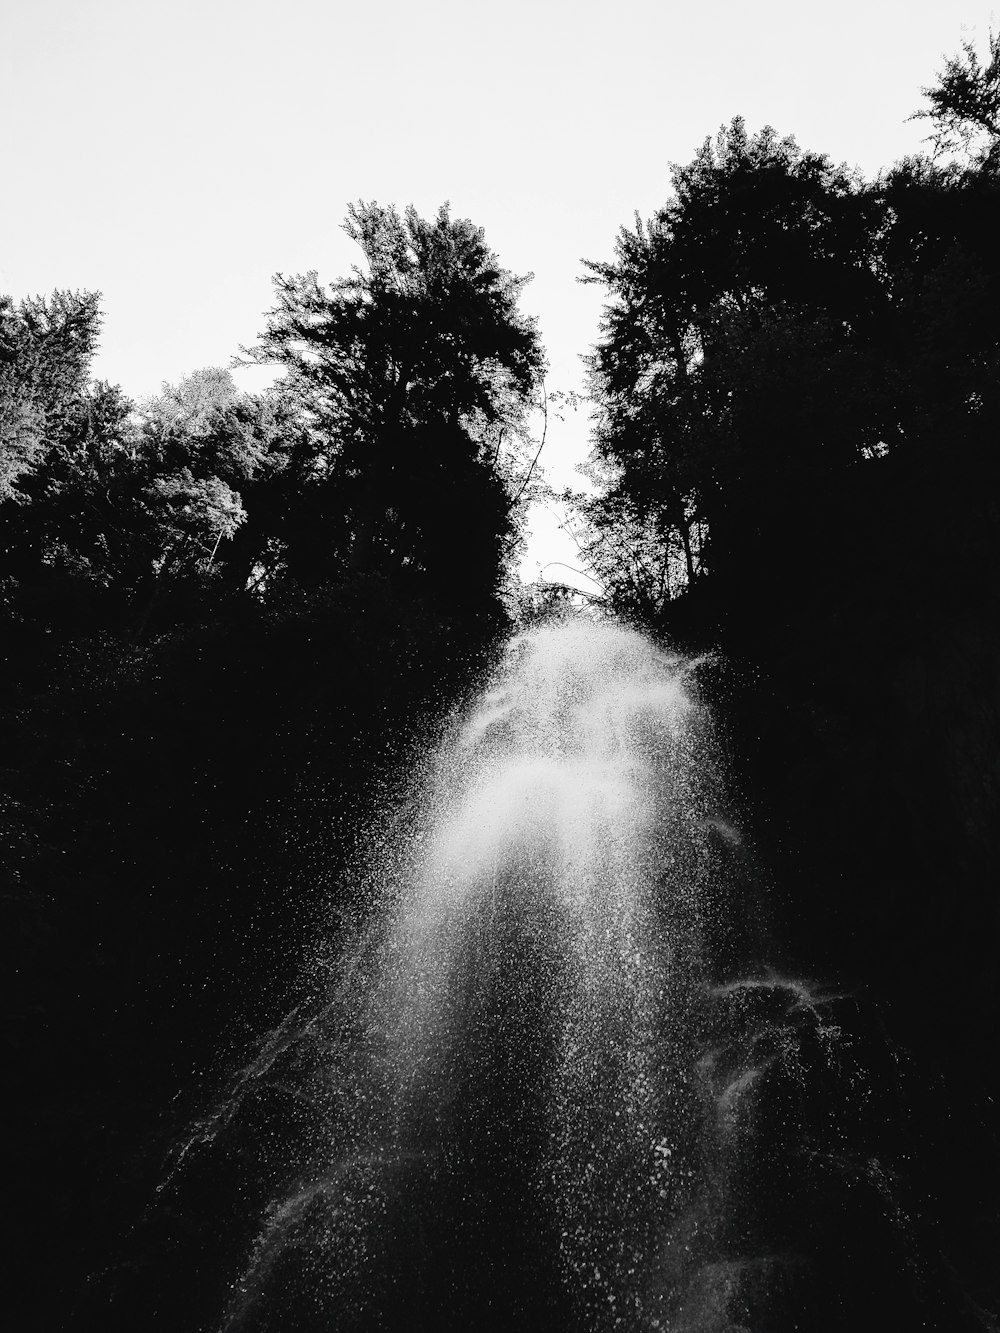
396	446
759	239
410	373
46	344
965	106
638	561
775	328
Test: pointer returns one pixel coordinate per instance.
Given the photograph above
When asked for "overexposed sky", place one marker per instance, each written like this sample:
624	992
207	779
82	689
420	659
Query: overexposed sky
174	154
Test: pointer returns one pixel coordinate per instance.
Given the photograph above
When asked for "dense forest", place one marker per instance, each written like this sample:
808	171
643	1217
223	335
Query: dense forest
232	619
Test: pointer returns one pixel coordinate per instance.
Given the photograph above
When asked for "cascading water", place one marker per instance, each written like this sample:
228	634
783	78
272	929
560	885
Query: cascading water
534	1095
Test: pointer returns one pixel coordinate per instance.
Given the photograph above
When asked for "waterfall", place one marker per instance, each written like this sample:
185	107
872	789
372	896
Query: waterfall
551	1082
545	961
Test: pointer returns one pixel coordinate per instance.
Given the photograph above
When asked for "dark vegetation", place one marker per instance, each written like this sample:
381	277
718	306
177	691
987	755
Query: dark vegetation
224	614
225	617
797	388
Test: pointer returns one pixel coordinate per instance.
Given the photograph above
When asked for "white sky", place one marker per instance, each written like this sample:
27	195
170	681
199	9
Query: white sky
173	154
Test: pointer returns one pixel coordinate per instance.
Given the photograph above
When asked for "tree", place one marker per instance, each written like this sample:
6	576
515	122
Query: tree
22	437
777	328
127	502
61	443
965	106
409	375
46	345
764	253
638	563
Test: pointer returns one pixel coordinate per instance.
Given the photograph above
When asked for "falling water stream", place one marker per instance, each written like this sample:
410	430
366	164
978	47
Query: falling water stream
552	1083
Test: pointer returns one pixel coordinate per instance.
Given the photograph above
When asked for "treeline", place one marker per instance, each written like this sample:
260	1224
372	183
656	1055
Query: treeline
798	368
391	445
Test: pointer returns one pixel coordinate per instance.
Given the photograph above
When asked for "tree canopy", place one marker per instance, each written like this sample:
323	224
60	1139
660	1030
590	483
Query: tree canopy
964	106
393	446
777	326
412	373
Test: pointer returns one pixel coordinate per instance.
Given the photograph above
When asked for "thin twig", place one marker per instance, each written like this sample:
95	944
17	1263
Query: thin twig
545	428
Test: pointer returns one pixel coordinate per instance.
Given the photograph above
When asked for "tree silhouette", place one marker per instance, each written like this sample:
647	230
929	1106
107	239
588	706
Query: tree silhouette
965	106
765	253
407	373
